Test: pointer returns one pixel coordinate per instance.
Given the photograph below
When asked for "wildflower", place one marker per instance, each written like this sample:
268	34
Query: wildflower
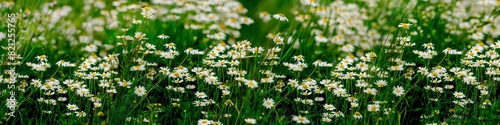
265	16
251	83
250	121
140	36
137	68
228	102
201	95
81	114
125	83
469	79
278	40
478	36
170	45
246	20
41	58
204	122
163	36
280	17
136	22
373	108
428	46
82	92
298	58
357	115
268	103
381	83
329	107
325	119
72	107
405	25
217	36
301	120
398	91
320	38
371	91
148	12
388	111
11	103
396	68
459	95
140	90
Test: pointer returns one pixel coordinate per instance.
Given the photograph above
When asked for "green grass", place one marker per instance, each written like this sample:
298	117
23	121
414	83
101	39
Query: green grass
344	62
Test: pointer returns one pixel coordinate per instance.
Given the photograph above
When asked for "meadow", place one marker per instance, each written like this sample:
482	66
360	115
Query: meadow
270	62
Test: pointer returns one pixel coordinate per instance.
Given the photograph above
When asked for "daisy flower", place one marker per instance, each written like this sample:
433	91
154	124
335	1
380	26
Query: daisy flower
398	91
459	95
329	107
204	122
250	121
140	90
41	58
301	120
280	17
268	103
81	114
11	103
357	115
320	38
381	83
138	68
125	83
278	40
251	83
72	107
163	36
404	25
298	58
140	35
373	108
201	95
265	16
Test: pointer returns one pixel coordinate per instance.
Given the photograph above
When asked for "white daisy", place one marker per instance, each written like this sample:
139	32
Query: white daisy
140	90
398	91
268	103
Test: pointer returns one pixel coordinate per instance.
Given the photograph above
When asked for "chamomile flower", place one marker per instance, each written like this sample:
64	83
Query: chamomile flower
252	84
398	91
41	58
268	103
138	68
72	107
405	25
265	16
329	107
81	114
140	36
140	90
125	84
301	120
373	107
205	122
357	115
459	95
280	17
381	83
250	121
11	103
278	40
200	95
163	36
